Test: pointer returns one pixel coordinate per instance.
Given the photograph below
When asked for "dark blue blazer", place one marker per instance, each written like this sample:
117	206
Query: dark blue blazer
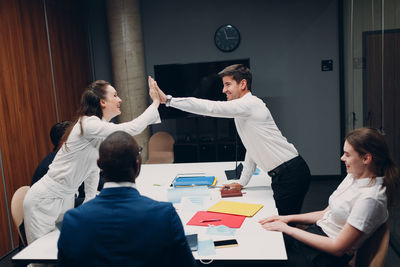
122	228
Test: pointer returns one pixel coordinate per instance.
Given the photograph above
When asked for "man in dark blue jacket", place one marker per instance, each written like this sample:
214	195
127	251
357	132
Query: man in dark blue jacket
120	227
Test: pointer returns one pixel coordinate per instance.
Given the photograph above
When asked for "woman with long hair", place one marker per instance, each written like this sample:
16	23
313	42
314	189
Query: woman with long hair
355	211
75	161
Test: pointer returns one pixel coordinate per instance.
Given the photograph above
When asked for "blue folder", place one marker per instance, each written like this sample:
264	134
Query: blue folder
182	181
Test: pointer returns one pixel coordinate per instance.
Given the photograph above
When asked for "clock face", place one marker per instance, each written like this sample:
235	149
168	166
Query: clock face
227	38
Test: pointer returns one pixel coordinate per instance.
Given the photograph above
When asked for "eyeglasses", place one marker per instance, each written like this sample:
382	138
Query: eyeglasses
140	151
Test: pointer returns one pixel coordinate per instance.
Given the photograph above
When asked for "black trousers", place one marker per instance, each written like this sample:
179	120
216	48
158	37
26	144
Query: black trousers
299	254
290	182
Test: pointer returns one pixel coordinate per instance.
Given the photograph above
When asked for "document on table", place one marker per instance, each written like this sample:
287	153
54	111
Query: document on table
205	218
238	208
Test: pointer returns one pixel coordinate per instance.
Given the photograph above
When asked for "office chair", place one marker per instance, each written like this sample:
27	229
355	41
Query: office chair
161	148
373	251
17	211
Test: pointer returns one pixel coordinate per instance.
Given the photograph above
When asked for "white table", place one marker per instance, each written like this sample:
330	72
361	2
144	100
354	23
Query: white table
255	243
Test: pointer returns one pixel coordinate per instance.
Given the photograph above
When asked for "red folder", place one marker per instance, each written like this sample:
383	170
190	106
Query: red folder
206	218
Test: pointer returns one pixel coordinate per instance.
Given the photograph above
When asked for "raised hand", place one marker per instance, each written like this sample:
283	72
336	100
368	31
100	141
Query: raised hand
163	97
153	91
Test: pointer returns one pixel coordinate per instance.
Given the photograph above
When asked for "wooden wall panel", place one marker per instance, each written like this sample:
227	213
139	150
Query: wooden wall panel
27	101
70	54
27	109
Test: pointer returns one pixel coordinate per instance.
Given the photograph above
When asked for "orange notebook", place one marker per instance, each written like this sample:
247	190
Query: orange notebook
205	218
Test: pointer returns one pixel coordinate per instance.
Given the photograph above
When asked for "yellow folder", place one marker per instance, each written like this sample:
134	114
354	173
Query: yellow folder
237	208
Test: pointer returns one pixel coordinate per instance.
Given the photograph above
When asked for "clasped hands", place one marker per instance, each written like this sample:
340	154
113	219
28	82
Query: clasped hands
276	223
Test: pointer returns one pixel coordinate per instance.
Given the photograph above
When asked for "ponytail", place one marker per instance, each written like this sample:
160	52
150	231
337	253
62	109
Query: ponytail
391	181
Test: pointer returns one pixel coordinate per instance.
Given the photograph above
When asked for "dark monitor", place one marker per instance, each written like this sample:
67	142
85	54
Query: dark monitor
194	79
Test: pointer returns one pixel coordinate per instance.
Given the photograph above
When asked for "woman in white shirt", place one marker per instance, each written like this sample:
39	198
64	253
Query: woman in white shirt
75	161
356	209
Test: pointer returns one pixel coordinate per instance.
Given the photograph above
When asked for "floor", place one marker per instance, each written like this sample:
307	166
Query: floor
316	199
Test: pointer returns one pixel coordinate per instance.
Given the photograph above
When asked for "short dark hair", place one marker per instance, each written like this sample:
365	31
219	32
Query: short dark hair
119	158
238	72
57	131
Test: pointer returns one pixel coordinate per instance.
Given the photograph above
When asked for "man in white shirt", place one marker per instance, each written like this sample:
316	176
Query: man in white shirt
265	145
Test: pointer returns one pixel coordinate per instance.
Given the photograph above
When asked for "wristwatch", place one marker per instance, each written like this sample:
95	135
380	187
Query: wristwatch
168	102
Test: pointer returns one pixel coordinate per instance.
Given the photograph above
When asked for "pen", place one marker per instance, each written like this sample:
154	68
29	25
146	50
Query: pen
210	220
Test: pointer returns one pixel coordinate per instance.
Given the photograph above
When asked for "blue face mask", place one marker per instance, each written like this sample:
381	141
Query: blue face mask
220	230
206	248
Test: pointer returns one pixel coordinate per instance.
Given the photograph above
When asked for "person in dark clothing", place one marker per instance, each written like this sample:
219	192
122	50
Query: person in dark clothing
56	132
120	227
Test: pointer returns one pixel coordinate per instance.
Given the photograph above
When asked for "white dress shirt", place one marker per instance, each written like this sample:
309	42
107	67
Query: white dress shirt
362	203
74	163
119	184
265	145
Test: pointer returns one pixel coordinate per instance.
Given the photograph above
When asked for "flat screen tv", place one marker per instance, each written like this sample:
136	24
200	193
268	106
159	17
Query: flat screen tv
193	79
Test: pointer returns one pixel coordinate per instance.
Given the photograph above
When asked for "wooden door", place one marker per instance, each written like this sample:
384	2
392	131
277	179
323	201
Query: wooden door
27	109
31	80
382	85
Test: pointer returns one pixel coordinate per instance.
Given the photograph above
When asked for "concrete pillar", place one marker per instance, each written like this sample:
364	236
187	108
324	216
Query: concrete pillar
127	54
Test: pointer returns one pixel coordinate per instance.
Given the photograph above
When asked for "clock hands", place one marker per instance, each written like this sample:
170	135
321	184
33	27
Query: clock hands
229	38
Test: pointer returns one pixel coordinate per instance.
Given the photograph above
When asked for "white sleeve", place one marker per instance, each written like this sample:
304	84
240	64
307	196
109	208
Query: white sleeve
96	128
367	215
224	109
91	184
249	167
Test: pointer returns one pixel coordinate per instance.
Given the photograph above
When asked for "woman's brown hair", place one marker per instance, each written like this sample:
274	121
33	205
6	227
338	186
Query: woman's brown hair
370	140
90	105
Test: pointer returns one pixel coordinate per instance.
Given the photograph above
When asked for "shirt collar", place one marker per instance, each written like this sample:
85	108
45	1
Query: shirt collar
362	182
119	184
248	94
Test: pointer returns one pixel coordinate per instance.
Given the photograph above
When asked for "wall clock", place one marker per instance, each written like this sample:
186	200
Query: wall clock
227	38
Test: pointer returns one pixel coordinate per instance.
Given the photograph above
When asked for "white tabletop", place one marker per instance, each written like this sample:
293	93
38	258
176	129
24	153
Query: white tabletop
255	243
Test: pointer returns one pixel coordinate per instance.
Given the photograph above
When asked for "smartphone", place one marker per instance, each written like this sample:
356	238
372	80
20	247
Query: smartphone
192	241
225	243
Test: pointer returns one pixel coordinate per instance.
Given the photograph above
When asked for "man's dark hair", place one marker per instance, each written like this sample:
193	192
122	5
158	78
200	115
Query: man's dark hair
57	131
119	158
238	72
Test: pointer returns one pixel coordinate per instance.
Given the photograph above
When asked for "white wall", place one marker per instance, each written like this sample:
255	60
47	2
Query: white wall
285	41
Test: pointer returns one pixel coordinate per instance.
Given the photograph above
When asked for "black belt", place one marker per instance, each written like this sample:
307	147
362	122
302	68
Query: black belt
283	166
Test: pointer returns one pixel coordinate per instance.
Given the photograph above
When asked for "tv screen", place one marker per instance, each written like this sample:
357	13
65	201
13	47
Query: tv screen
194	79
